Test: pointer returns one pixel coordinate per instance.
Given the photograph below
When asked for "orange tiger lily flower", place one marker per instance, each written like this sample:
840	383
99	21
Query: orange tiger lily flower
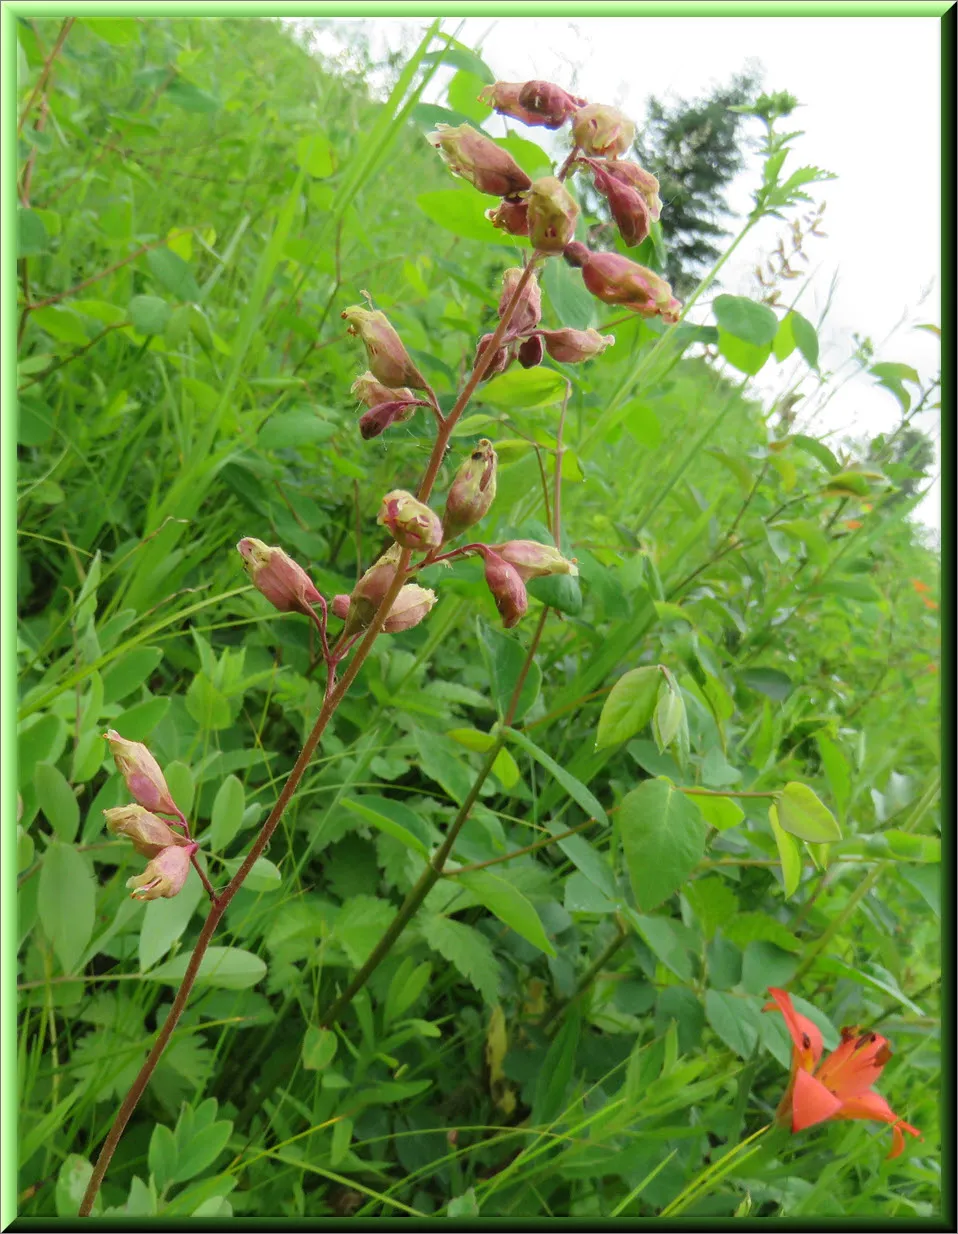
842	1086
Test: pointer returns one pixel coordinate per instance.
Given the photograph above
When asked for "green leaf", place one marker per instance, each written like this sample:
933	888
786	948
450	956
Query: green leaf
57	801
558	591
748	358
360	924
592	864
719	812
663	936
264	876
32	237
556	1072
734	1020
172	272
509	905
132	669
766	964
744	928
362	806
462	93
465	1205
117	31
301	427
745	319
571	303
165	921
505	659
534	162
802	814
806	337
441	761
629	707
139	721
191	98
788	853
770	681
463	212
467	950
663	839
575	788
66	903
315	155
71	1186
784	342
229	968
62	324
818	451
319	1048
525	387
149	314
227	814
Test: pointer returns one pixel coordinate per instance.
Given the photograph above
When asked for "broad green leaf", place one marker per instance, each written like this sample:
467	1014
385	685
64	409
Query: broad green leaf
788	853
191	98
66	903
765	964
229	968
734	1020
131	670
319	1048
463	212
800	813
509	905
467	950
442	762
165	921
139	721
662	934
525	387
57	801
629	706
315	155
571	303
264	876
719	812
575	788
745	319
586	859
806	337
556	1072
227	814
744	928
32	239
71	1185
62	324
770	681
748	358
295	428
360	924
149	314
172	273
363	807
505	658
663	839
463	92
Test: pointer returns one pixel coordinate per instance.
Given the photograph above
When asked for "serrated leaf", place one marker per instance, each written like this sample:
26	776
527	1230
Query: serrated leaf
468	951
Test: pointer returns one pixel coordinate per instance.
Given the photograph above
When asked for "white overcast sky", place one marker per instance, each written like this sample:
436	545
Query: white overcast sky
870	94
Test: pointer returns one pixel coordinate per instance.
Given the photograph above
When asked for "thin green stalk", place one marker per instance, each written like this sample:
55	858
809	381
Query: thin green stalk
585	981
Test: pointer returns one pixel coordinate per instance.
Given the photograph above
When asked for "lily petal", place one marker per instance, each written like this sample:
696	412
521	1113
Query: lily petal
806	1035
854	1067
811	1102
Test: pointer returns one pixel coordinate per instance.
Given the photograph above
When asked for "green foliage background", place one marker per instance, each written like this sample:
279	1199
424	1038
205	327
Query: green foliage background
204	199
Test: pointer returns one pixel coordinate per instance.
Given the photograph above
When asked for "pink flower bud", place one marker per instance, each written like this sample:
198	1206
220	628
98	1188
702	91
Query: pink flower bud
370	591
530	559
602	130
636	177
508	589
149	834
536	103
409	608
285	584
552	215
476	158
374	422
627	204
615	279
500	361
340	607
141	772
529	309
371	392
531	351
388	359
512	216
411	523
165	875
570	346
472	491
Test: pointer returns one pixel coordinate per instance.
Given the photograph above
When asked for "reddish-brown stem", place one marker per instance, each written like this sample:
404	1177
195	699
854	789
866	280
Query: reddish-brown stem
45	72
207	885
333	696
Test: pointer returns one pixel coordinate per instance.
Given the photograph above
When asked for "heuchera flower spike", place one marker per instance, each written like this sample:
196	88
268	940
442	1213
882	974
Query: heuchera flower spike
552	215
388	359
841	1087
508	589
149	834
530	559
472	491
411	523
536	103
476	158
165	875
615	279
602	130
570	346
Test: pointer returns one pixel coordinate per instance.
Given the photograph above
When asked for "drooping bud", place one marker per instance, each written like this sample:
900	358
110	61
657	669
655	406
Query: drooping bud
508	589
536	103
499	362
512	216
472	491
388	359
528	311
636	177
530	559
409	608
149	834
602	130
165	875
531	351
272	572
410	522
371	590
476	158
340	607
371	393
141	772
374	422
570	346
627	204
615	279
552	215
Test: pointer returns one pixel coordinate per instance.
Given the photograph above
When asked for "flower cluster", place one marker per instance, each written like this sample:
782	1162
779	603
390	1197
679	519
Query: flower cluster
170	852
